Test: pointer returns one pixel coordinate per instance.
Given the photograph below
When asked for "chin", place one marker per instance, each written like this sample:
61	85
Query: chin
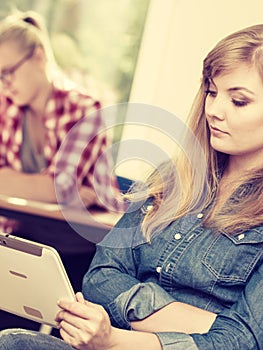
19	102
220	148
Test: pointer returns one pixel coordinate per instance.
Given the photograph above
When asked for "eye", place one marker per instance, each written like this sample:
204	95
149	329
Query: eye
240	103
211	93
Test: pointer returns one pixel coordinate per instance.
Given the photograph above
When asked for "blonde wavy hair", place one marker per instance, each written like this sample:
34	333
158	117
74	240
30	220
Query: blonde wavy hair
177	187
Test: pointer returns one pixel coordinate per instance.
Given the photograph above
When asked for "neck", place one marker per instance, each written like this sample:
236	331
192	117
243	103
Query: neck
239	166
38	105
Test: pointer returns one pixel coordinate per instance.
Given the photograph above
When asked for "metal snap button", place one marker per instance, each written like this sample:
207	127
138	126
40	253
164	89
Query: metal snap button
241	236
177	236
158	269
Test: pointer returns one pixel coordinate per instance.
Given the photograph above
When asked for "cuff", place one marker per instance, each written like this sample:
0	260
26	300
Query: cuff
176	341
138	302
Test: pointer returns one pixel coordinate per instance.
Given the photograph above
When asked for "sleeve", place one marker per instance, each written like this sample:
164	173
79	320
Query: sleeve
84	158
112	282
81	141
177	341
240	327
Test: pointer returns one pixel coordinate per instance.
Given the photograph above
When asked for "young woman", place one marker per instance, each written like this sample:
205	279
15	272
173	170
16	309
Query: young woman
185	271
38	109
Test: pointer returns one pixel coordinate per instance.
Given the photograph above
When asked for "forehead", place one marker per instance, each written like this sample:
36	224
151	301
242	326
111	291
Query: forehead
243	76
9	52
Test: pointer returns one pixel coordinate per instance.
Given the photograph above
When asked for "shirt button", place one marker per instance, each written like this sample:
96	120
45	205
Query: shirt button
241	236
200	215
158	269
177	236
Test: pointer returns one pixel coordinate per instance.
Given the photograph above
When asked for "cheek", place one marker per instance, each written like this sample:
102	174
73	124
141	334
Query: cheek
246	120
27	85
248	132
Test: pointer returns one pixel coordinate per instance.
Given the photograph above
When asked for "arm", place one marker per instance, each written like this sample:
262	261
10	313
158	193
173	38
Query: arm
241	326
84	163
177	317
39	187
130	303
156	309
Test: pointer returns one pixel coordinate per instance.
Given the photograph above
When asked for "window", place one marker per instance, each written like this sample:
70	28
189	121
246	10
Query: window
95	42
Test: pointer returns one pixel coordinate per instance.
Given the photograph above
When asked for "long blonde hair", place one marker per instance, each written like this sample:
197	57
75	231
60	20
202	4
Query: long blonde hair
174	186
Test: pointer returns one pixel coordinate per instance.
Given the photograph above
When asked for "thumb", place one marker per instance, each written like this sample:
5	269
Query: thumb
80	298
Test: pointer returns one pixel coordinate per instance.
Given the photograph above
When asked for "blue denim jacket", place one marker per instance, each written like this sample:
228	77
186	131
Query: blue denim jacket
185	262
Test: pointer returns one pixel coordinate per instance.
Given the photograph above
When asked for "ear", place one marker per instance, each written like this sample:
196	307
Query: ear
40	56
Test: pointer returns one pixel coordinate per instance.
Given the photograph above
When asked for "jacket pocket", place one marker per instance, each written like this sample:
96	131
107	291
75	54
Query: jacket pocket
232	258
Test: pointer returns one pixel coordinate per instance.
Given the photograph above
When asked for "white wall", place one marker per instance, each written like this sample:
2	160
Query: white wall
178	35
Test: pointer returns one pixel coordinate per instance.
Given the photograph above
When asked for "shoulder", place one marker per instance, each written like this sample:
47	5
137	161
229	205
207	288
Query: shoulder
74	97
66	107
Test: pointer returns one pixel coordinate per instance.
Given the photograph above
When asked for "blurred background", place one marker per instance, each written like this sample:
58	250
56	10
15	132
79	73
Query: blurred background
148	52
95	42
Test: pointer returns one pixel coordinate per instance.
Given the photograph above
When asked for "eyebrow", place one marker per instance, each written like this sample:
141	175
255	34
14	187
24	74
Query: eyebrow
237	88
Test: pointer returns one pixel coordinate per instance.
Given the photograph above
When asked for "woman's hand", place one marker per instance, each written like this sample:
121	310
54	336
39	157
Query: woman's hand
84	325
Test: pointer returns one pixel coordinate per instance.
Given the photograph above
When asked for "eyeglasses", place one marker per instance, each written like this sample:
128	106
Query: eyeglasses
7	73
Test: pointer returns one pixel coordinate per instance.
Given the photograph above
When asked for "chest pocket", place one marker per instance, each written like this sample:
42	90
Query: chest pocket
232	258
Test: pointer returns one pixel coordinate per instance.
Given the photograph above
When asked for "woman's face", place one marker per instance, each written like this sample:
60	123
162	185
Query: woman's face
234	112
19	72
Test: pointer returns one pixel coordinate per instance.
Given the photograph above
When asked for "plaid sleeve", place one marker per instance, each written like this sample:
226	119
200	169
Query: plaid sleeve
83	158
10	133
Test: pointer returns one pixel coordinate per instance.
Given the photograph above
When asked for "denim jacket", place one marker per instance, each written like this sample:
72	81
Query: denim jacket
185	262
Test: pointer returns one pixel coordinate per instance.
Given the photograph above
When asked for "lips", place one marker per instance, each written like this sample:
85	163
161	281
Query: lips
215	129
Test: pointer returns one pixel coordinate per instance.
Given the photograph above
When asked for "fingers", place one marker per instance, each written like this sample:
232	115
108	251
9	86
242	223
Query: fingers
75	312
83	332
77	338
80	297
74	307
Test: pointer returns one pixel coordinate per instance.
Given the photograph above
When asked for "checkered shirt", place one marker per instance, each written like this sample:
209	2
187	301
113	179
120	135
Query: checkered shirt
76	147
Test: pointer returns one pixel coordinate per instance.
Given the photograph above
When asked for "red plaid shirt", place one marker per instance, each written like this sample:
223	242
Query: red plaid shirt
75	145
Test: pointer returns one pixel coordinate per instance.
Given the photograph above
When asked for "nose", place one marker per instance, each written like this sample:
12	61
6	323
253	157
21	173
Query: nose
215	107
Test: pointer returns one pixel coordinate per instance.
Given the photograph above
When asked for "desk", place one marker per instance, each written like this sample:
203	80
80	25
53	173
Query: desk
93	217
51	223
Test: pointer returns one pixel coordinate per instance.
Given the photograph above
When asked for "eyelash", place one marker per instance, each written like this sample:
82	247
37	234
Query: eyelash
237	103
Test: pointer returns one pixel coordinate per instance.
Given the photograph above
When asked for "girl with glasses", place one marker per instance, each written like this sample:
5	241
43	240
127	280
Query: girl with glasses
38	109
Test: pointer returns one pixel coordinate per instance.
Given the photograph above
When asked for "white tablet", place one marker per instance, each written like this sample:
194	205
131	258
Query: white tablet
32	279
